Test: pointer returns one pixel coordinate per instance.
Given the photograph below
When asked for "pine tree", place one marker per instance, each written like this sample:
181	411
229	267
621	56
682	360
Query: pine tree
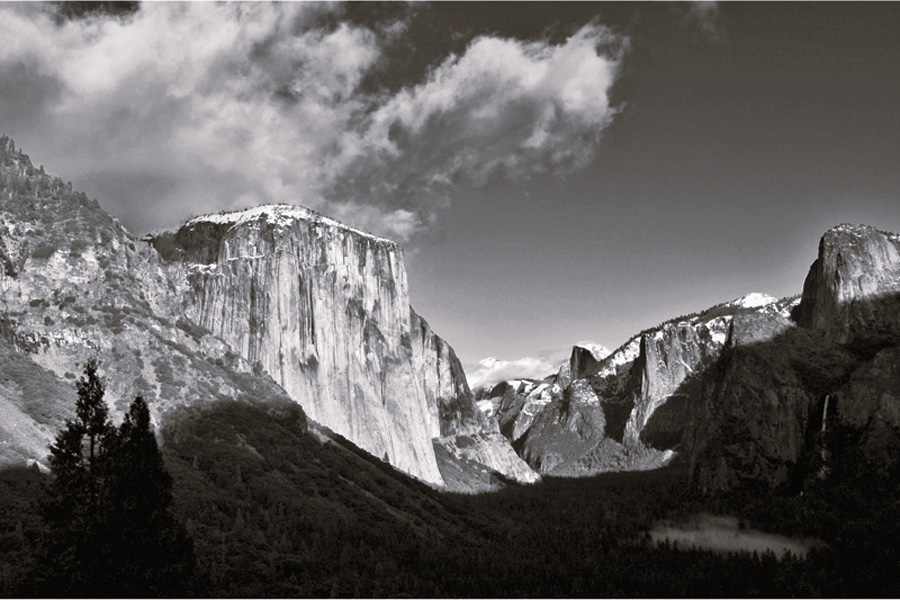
112	531
153	552
78	464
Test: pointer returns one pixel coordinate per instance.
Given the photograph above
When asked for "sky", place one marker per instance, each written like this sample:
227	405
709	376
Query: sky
557	173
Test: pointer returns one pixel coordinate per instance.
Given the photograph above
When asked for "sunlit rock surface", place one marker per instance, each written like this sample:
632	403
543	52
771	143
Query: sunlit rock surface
480	461
600	415
447	393
75	284
324	309
853	286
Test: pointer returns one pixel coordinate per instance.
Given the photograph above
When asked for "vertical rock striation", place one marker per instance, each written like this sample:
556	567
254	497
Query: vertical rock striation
668	356
853	286
629	410
74	284
324	309
447	393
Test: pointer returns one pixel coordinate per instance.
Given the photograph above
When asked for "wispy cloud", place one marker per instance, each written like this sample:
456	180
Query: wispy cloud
196	107
490	371
705	14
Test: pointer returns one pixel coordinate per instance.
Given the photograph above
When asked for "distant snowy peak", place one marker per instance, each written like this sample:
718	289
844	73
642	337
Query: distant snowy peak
490	362
623	355
753	300
283	215
490	371
598	351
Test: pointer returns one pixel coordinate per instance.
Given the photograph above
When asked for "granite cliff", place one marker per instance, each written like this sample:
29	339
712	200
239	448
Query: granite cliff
597	415
274	304
76	284
852	286
777	405
323	309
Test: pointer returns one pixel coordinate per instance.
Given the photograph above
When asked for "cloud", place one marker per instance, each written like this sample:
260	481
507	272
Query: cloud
185	108
490	371
705	14
502	107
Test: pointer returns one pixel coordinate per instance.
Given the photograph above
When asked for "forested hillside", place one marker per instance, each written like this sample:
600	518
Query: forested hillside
275	511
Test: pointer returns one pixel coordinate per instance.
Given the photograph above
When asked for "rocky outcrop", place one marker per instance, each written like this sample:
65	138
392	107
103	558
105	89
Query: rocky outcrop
668	356
216	310
853	286
762	415
556	424
748	420
566	430
582	364
324	309
447	393
870	402
480	461
77	285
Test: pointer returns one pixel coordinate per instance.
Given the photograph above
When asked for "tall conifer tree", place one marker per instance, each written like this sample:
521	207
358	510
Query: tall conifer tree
112	531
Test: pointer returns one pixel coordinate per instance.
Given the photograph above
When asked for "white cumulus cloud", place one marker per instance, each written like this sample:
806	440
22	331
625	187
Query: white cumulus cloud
186	108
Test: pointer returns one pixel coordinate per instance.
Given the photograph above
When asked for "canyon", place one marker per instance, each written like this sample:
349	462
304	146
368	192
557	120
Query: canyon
275	303
281	305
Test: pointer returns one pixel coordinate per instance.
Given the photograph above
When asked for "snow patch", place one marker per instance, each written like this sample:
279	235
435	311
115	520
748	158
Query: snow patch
598	351
718	336
627	353
753	300
282	215
486	407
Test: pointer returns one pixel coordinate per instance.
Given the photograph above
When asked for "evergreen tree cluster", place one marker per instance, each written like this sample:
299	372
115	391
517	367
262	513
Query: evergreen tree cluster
273	511
110	528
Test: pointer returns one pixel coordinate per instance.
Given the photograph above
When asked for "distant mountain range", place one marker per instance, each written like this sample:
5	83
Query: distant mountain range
278	304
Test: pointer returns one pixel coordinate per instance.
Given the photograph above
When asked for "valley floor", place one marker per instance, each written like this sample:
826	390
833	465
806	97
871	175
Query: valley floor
274	512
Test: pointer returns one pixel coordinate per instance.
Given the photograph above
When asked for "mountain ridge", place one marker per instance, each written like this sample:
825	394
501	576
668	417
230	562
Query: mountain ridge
78	284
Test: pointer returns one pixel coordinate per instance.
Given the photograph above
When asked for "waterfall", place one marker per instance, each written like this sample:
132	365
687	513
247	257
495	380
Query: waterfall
823	472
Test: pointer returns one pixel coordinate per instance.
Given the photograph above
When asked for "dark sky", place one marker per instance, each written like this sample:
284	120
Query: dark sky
557	172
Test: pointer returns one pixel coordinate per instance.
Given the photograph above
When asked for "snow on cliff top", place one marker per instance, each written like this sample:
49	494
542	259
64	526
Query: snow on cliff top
861	230
280	214
851	228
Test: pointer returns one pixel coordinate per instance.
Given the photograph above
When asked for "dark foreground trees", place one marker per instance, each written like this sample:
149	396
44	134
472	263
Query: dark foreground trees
110	529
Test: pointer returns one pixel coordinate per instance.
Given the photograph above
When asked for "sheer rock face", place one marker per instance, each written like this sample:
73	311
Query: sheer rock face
447	393
758	420
871	401
853	285
560	428
324	309
75	284
748	422
583	362
668	356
